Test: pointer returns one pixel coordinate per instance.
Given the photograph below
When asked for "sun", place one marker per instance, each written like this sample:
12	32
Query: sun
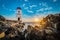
36	20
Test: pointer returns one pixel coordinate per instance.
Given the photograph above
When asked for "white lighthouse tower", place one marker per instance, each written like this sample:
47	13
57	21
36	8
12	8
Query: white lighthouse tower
19	15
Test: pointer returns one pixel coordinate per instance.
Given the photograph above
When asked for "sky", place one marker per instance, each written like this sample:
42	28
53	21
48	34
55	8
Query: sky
30	8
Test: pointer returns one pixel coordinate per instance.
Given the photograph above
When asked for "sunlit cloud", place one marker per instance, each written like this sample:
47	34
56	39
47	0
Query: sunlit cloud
25	7
44	9
30	11
33	6
48	8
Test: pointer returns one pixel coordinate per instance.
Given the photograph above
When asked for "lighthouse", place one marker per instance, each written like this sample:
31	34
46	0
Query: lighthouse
19	15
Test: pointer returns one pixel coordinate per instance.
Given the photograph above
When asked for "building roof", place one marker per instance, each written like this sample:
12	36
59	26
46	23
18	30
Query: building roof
18	8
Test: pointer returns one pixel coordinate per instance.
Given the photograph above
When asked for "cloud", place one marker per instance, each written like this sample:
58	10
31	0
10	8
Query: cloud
48	8
30	11
43	4
44	9
33	6
11	10
23	5
54	0
25	0
40	4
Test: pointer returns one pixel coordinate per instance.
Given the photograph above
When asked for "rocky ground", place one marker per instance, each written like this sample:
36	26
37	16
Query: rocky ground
50	31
